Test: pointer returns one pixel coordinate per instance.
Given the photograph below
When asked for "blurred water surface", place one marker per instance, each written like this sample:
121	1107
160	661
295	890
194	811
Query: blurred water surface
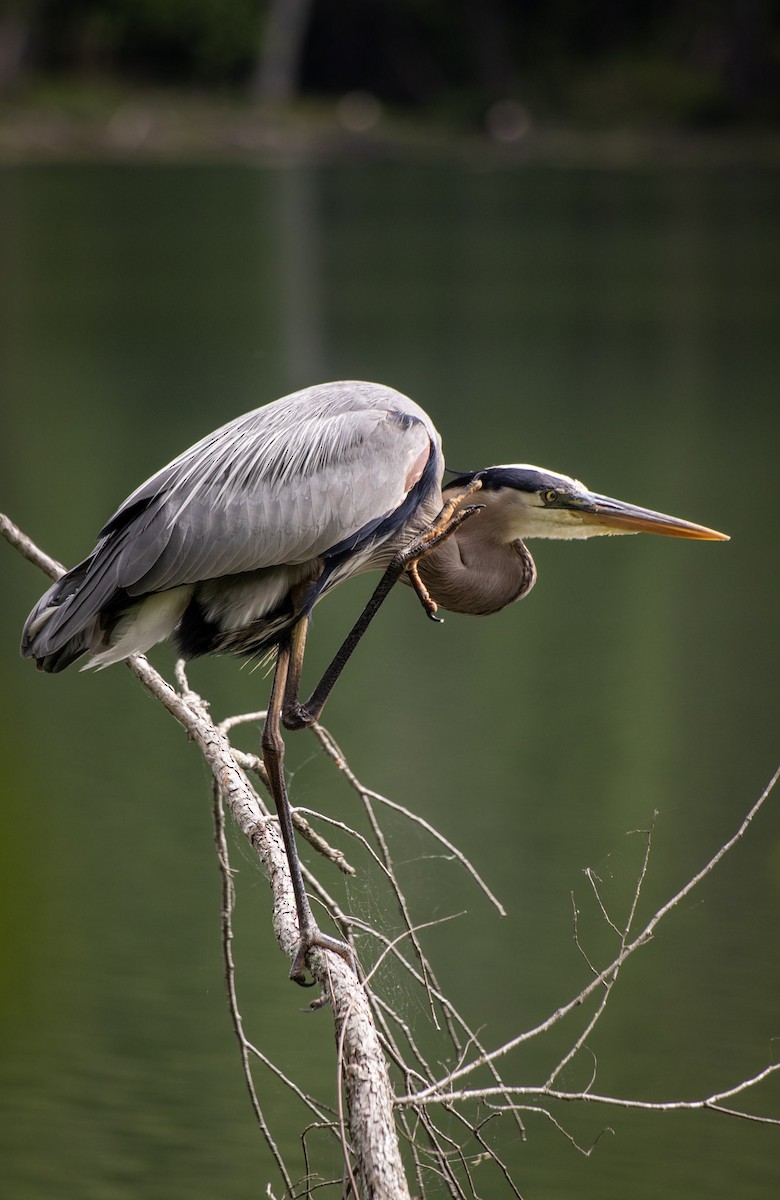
619	326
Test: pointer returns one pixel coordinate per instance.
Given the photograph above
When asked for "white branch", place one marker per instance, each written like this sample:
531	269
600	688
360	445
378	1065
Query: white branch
372	1132
715	1102
444	1088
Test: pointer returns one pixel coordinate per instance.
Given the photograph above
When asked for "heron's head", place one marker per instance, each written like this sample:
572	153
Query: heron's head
527	502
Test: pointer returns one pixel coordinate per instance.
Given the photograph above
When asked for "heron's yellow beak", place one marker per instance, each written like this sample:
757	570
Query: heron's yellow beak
627	518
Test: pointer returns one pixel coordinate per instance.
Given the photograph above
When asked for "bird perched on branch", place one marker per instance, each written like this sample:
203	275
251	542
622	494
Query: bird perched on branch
229	547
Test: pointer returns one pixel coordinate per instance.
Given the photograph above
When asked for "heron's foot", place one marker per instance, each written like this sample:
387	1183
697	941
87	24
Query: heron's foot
423	595
447	522
449	519
442	527
313	938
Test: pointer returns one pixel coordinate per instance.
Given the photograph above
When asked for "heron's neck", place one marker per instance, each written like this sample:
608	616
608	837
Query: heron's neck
478	570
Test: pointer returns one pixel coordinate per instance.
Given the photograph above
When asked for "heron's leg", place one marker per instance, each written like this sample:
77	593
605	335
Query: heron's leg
272	744
291	705
297	715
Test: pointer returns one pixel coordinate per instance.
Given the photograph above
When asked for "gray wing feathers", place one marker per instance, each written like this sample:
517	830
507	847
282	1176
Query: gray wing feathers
254	498
69	606
280	485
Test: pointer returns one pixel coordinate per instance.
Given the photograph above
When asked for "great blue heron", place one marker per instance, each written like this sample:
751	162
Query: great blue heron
231	545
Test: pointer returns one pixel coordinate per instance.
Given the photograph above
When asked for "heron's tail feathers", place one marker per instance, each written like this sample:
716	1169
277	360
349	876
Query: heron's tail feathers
141	626
85	611
43	637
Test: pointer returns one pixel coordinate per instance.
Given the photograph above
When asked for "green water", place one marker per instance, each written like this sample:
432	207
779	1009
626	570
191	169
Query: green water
618	326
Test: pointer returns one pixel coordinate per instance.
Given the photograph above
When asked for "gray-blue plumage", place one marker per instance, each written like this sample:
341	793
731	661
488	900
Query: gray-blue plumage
229	547
231	541
237	538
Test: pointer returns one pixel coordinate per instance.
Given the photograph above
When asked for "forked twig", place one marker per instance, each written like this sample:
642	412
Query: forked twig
445	1089
228	901
610	982
332	749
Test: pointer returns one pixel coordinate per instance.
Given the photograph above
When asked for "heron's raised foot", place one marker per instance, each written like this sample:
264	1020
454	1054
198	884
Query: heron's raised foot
423	595
311	939
447	522
452	515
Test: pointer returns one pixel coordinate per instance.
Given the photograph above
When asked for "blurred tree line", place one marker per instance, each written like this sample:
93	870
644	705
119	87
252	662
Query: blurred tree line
693	62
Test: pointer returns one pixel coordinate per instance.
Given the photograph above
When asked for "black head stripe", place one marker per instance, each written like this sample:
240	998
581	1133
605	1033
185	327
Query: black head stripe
523	479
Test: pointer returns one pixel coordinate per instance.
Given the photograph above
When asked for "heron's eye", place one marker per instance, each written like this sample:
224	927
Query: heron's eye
550	496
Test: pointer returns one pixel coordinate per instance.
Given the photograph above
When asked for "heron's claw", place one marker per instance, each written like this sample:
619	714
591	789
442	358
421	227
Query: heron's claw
314	938
423	595
449	519
445	525
452	515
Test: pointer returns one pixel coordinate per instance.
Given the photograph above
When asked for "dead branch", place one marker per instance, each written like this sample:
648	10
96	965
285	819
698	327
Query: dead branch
714	1102
446	1123
372	1137
445	1089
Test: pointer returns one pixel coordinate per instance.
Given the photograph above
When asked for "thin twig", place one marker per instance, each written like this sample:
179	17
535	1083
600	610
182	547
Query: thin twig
334	752
591	878
542	1091
27	547
610	982
428	980
228	901
332	749
445	1085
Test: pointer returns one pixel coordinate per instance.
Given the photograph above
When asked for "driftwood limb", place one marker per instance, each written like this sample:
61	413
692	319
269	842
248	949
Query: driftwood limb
370	1134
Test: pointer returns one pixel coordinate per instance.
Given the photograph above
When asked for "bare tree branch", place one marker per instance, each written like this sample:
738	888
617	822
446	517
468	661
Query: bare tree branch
447	1125
335	753
228	901
714	1102
378	1169
444	1089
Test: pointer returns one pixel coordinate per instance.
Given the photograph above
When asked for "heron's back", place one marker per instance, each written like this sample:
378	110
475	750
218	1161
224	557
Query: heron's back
246	528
